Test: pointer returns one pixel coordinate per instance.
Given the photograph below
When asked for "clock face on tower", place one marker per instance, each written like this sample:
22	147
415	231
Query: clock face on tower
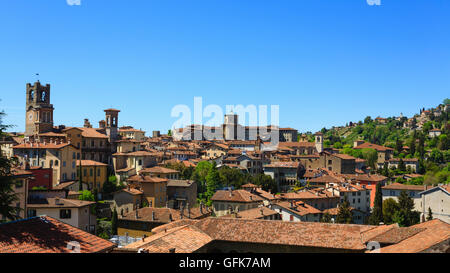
30	116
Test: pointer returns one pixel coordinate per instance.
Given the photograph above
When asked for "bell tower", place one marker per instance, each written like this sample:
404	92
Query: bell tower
319	142
111	122
39	111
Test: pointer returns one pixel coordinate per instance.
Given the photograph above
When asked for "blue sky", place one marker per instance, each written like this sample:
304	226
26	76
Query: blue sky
324	62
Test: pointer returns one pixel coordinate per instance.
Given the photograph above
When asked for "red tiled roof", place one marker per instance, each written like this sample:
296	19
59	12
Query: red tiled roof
158	169
399	186
373	146
90	163
145	179
255	213
432	233
235	196
47	235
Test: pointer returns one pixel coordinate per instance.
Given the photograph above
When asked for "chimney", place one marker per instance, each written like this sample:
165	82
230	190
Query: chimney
153	215
201	207
181	211
172	250
262	211
136	214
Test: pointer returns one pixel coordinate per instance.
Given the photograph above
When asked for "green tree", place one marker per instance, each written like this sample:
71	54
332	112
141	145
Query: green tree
390	207
212	183
231	177
266	182
199	175
405	216
371	155
345	214
326	218
114	221
377	214
399	145
412	145
401	166
430	214
8	197
88	196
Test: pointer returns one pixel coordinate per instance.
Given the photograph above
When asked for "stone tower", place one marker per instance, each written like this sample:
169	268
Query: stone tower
39	111
230	125
319	142
111	126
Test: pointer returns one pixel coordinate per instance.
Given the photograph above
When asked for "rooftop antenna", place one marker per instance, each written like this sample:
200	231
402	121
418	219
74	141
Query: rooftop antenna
37	77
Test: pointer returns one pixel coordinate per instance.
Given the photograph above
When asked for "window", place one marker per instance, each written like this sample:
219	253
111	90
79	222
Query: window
31	213
64	163
91	172
19	184
85	172
56	162
73	155
98	172
73	164
65	214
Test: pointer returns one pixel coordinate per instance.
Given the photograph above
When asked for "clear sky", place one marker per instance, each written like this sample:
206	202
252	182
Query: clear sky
324	62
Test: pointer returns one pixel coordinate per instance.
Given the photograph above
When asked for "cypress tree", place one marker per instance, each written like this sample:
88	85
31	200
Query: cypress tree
377	213
401	165
114	221
345	214
430	214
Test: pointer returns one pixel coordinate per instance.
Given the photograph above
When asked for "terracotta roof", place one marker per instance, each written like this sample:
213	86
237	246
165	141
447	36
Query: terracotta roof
90	163
183	239
130	130
132	191
373	146
399	186
164	215
91	133
297	144
255	213
174	224
337	236
235	196
299	208
365	177
282	165
63	185
52	134
344	156
58	203
326	179
158	169
179	183
432	233
146	179
41	145
249	185
47	235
